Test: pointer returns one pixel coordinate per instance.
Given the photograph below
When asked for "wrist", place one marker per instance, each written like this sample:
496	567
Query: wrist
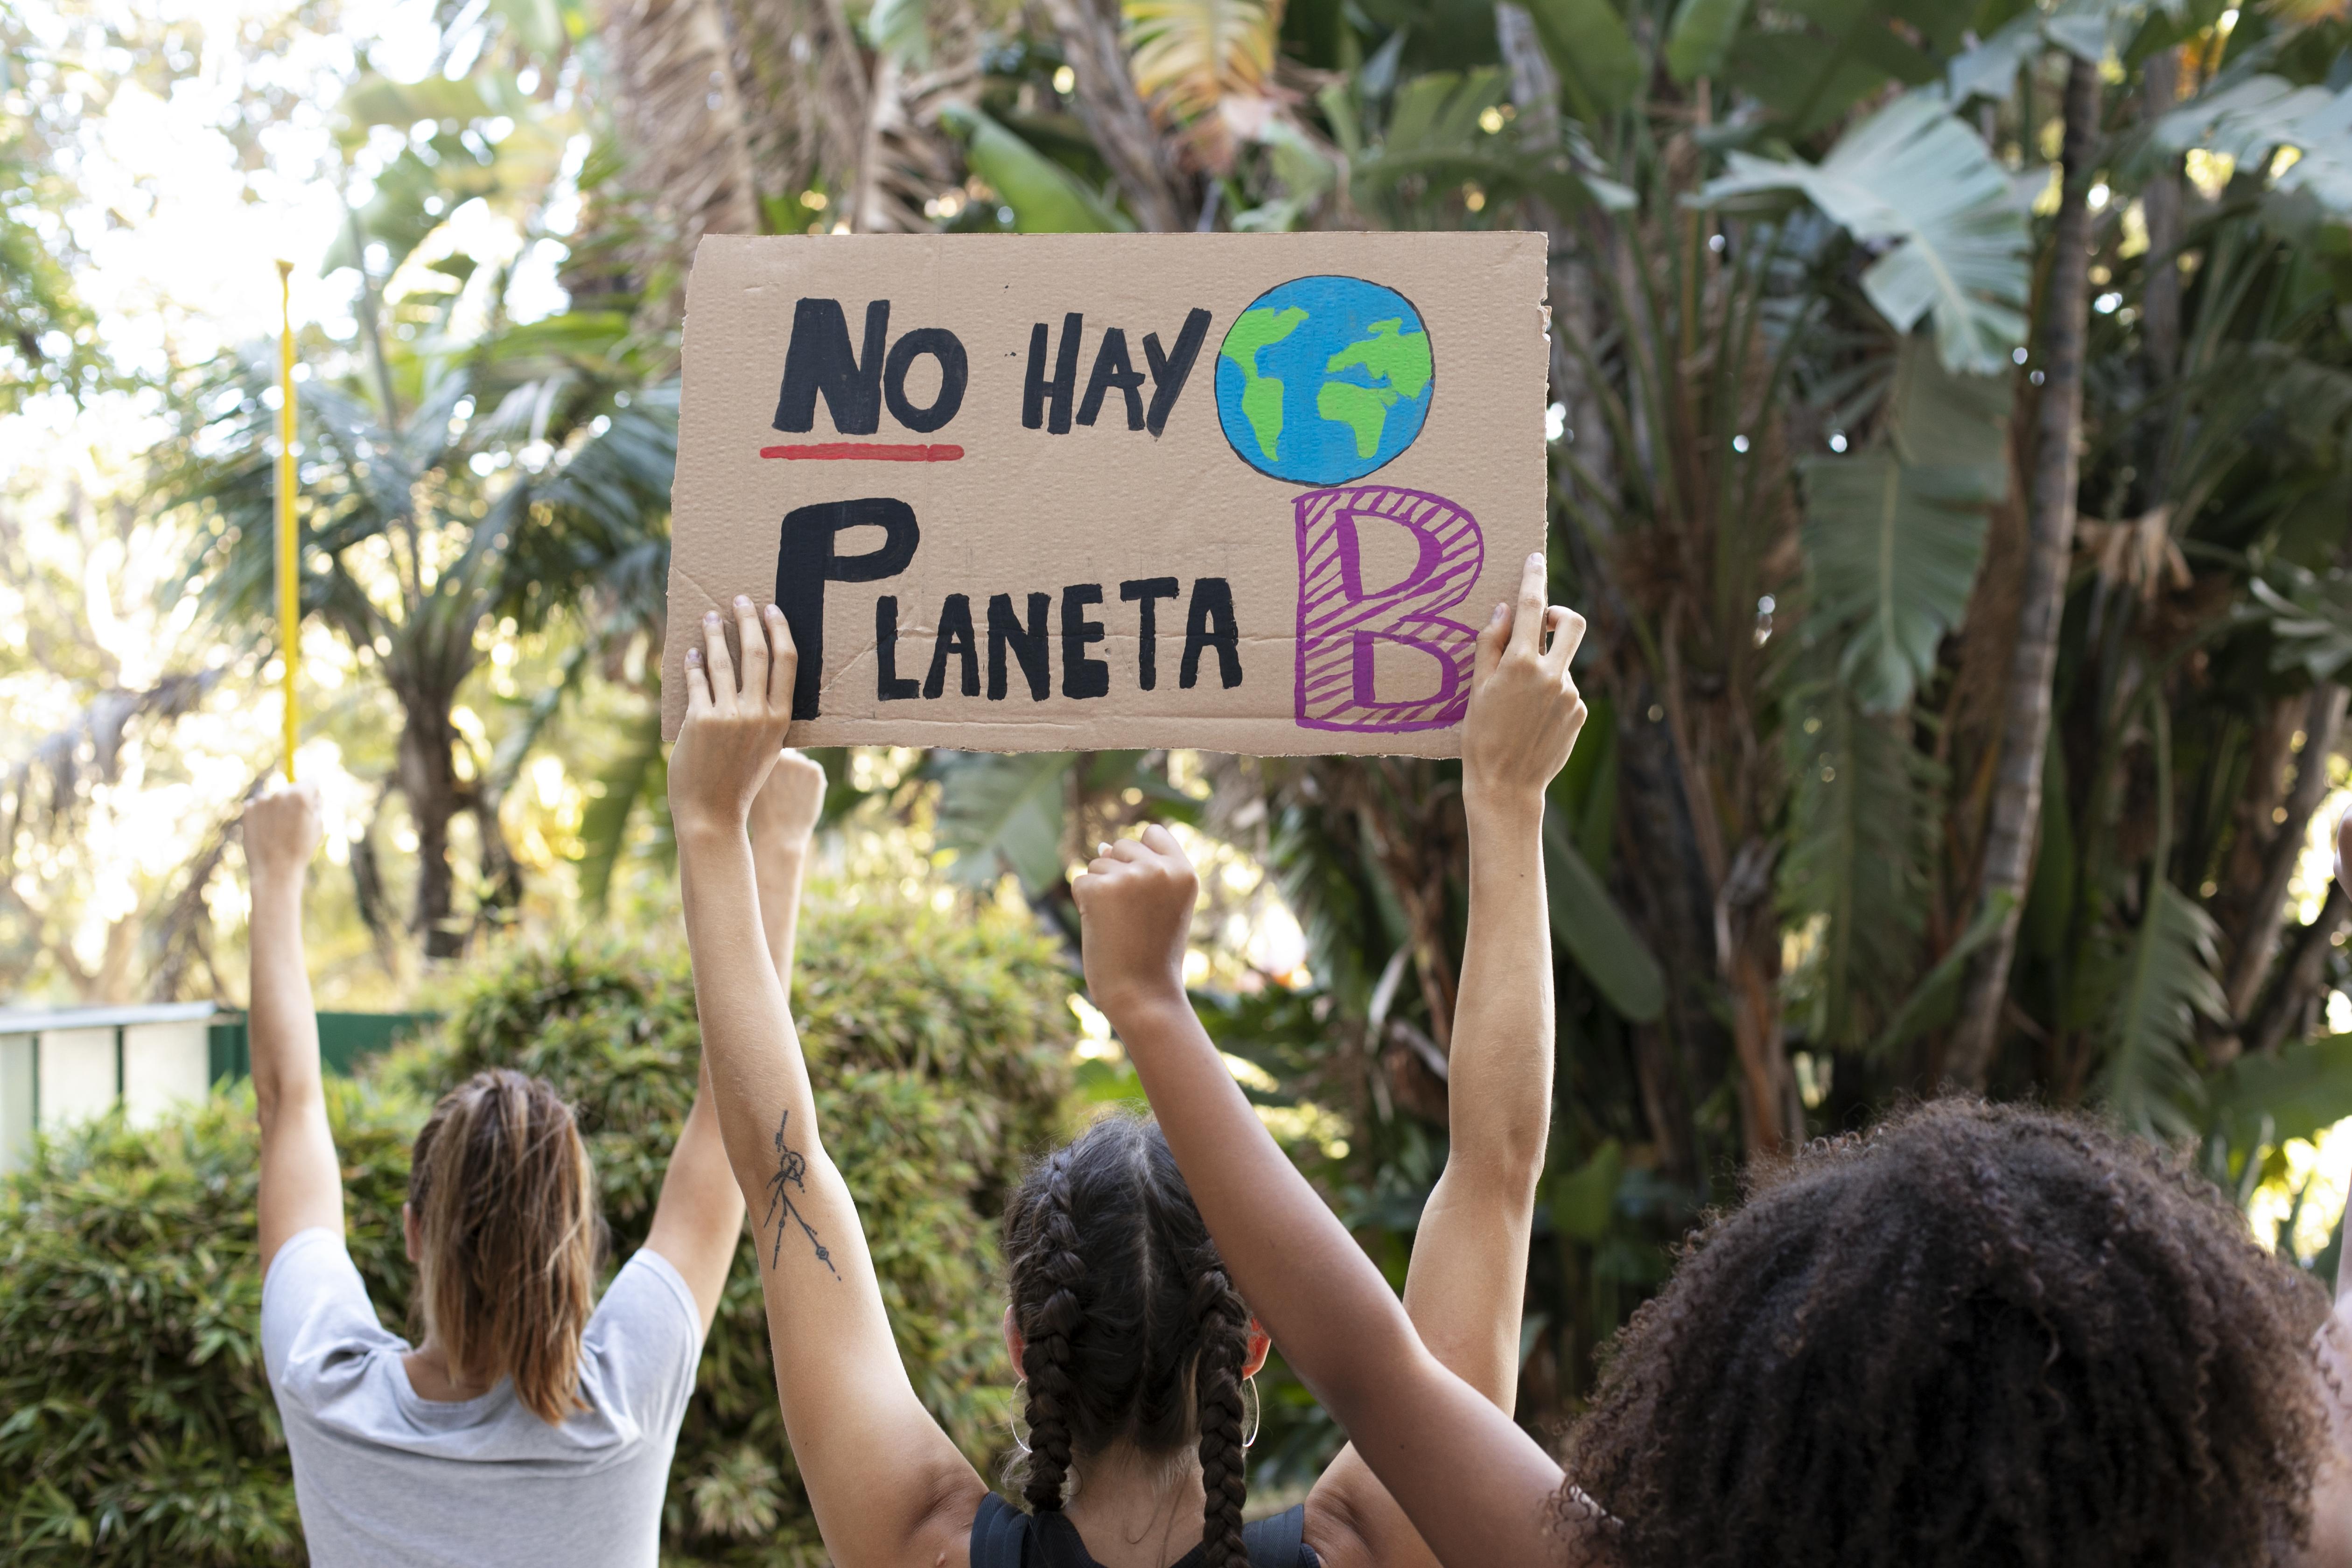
706	832
1143	1002
781	848
1497	808
278	881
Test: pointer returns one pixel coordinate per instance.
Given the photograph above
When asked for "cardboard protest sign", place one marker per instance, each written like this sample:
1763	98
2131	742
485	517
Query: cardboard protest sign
1249	493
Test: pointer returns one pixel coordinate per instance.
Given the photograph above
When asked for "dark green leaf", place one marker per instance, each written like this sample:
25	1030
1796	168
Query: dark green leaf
1588	924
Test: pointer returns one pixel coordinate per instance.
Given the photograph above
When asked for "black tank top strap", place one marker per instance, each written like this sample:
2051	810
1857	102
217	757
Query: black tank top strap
1278	1541
999	1534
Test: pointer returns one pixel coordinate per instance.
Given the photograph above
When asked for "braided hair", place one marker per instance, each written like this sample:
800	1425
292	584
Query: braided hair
1132	1331
1977	1334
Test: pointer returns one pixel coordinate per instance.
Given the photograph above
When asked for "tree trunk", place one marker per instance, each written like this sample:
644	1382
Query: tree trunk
2300	976
1748	943
428	778
691	147
2160	204
1115	116
2323	714
2016	808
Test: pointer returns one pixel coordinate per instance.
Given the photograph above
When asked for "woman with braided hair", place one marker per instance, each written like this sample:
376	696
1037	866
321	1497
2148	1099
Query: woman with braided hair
1135	1348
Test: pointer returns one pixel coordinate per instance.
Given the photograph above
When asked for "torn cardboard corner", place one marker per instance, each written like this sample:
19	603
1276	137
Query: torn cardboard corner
1246	493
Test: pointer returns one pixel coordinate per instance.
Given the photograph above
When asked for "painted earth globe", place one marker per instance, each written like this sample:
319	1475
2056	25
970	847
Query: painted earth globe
1323	380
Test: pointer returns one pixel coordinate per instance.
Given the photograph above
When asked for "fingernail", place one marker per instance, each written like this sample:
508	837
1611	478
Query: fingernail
742	602
1535	559
694	655
709	618
774	614
1102	849
1496	619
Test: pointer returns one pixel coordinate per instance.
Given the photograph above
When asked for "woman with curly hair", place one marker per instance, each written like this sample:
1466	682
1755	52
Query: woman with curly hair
1135	1347
1977	1334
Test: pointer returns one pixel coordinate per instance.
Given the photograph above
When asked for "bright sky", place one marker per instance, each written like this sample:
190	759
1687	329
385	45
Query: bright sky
183	244
183	247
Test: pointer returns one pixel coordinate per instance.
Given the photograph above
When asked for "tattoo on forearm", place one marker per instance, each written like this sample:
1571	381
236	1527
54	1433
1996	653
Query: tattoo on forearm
791	1168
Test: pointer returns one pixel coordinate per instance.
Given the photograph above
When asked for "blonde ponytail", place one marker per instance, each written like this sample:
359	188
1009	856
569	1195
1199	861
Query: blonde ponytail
505	1206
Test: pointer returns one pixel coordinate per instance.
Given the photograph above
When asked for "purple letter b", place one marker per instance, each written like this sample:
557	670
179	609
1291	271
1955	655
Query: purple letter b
1341	623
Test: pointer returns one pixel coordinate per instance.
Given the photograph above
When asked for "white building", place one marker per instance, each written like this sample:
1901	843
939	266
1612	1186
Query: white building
62	1065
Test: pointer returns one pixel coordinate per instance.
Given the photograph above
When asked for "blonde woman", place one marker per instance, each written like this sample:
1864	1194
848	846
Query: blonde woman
528	1423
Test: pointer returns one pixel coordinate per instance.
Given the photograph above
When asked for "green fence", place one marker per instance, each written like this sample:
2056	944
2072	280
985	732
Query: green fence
346	1040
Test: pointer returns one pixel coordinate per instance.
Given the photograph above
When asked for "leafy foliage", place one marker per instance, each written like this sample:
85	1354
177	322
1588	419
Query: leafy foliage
1202	60
1046	198
2152	1082
1893	536
2250	120
1916	180
1857	859
1587	924
139	1425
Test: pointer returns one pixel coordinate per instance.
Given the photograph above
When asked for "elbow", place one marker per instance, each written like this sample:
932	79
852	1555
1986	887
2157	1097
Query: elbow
273	1100
1504	1162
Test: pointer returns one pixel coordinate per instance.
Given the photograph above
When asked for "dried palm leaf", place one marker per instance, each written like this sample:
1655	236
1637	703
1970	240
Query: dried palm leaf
1209	66
1113	114
676	65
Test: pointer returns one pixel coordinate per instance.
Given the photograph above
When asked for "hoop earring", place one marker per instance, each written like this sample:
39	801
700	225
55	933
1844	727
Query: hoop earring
1015	1419
1252	1411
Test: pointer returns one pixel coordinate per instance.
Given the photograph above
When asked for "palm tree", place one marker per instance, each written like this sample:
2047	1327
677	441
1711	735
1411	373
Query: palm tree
458	467
1948	460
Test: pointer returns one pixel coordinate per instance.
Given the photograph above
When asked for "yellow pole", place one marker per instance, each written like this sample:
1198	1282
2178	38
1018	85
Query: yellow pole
289	588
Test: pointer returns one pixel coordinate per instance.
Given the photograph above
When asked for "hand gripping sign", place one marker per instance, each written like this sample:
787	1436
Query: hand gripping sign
1242	492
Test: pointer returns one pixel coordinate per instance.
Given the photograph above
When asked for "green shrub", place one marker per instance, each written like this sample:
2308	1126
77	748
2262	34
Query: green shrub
135	1421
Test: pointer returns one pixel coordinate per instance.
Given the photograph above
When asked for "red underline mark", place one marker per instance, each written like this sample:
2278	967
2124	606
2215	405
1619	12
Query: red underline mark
866	451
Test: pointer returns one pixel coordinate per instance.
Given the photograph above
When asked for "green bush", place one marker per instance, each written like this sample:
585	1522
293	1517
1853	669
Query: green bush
135	1421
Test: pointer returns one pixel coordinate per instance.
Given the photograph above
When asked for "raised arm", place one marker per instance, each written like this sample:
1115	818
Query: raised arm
887	1485
701	1214
301	1181
1467	1280
1478	1490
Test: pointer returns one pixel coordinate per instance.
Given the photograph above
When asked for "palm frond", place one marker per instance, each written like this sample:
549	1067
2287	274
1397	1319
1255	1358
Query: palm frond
1914	179
1857	860
1437	139
1587	923
2255	120
1000	814
605	825
2310	623
1200	61
2080	28
1893	550
1046	198
1893	536
676	65
2165	983
1599	67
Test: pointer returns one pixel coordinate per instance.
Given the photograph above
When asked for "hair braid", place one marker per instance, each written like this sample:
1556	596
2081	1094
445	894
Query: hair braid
1221	1325
1048	1355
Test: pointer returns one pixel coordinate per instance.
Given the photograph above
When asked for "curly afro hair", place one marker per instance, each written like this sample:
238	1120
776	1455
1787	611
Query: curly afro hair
1977	1334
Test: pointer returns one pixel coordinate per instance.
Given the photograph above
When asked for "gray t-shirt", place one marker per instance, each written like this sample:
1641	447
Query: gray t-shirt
386	1479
